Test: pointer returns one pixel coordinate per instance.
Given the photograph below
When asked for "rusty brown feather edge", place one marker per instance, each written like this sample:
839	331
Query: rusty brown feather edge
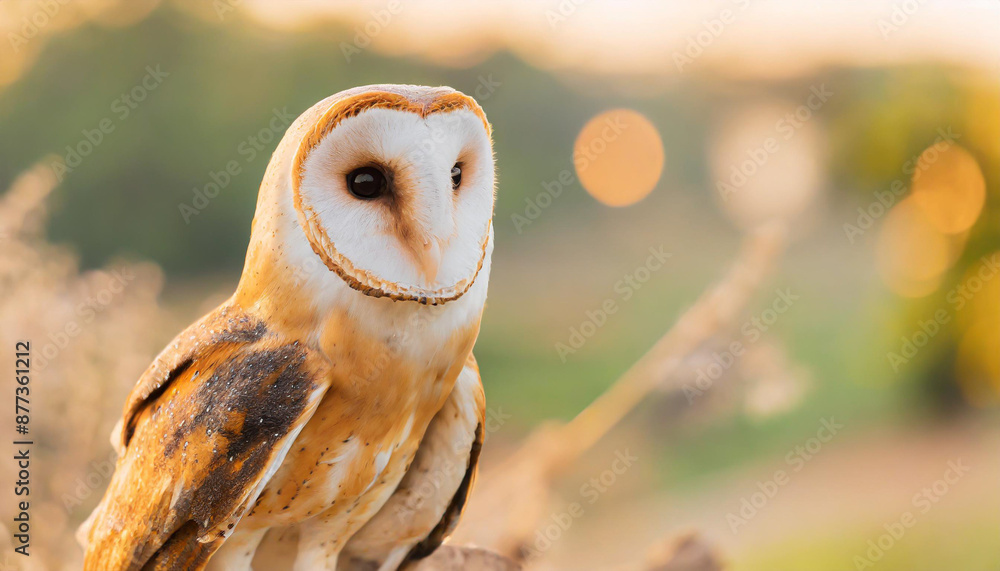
185	533
222	324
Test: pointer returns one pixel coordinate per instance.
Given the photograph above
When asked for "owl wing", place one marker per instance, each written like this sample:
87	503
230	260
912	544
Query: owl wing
204	429
425	507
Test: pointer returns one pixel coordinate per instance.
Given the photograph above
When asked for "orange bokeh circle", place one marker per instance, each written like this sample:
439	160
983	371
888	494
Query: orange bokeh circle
949	188
618	157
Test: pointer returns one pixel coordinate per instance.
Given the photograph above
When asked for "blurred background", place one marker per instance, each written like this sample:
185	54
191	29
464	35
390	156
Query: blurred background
638	145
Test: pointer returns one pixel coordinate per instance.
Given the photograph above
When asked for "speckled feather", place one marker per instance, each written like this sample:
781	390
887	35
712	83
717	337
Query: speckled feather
199	440
302	402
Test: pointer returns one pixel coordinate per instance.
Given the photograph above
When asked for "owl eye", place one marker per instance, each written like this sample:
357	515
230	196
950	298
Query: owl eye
366	183
456	176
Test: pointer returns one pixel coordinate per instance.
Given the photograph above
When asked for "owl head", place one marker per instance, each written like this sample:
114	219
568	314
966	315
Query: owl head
392	187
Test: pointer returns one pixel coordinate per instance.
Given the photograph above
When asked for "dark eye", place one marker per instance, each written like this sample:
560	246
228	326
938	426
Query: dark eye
456	176
366	183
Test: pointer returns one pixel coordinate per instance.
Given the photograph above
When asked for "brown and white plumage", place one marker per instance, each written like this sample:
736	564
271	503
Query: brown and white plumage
333	398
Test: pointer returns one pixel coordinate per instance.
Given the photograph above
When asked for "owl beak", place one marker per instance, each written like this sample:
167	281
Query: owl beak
430	260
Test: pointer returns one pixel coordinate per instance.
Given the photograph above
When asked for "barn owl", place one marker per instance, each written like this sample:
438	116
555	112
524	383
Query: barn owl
335	393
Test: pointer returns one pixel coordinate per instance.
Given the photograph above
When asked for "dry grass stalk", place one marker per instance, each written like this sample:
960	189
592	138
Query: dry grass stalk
91	333
79	390
509	502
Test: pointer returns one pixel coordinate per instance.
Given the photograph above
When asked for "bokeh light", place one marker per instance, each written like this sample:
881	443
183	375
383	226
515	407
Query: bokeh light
949	187
956	245
765	167
912	254
618	157
841	126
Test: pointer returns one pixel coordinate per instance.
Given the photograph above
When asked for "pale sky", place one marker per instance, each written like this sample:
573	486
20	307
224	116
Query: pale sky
753	37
